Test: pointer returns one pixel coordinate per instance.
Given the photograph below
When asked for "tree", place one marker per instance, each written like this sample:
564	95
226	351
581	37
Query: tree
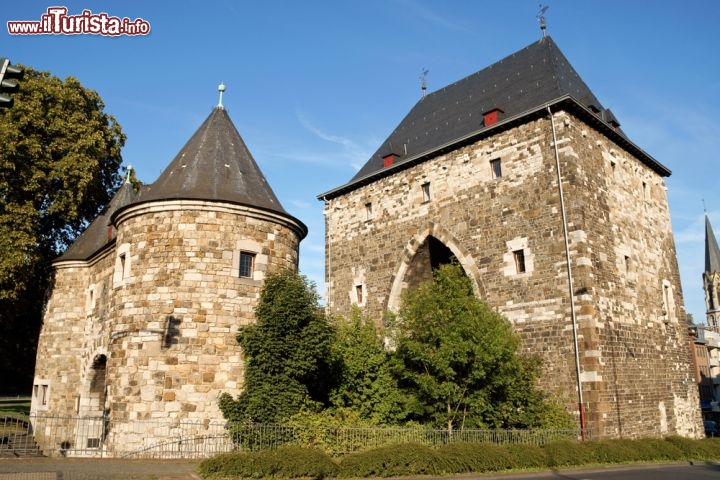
461	361
366	384
286	352
59	164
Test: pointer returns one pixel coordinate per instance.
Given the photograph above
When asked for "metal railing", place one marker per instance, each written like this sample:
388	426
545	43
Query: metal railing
164	439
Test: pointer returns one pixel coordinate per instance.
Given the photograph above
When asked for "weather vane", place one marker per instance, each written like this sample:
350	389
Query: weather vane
423	81
541	19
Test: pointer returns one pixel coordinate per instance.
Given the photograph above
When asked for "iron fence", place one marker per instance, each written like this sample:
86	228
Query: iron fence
164	439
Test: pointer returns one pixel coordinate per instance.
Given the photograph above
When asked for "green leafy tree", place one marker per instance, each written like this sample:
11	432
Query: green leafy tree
366	384
460	359
287	354
59	164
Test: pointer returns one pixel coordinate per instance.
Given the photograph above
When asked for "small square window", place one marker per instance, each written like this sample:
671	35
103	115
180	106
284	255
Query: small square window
496	168
247	264
93	443
426	191
519	256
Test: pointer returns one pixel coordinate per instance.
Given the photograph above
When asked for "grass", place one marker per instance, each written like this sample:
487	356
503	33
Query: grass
15	407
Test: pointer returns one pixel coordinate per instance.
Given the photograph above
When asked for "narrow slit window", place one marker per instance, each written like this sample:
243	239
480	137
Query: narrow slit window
247	264
123	259
628	265
496	168
426	191
368	211
519	256
359	293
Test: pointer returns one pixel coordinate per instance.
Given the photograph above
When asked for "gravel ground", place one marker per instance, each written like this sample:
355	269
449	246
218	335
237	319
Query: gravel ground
96	469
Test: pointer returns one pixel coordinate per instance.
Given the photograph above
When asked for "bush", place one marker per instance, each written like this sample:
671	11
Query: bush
567	453
319	429
475	457
453	458
617	451
393	460
661	450
286	462
706	449
527	456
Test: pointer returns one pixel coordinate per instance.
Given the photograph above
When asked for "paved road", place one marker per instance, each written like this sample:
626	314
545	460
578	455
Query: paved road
112	469
96	469
698	471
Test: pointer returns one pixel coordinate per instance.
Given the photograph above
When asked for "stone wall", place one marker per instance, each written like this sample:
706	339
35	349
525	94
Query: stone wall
146	329
635	361
178	308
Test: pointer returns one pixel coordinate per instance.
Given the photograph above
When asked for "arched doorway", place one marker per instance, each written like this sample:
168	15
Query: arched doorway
428	250
95	402
429	256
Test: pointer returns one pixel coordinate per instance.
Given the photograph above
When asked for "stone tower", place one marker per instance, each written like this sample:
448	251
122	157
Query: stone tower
711	277
472	174
146	304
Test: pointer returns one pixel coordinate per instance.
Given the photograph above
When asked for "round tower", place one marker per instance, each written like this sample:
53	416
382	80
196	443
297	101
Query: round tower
190	257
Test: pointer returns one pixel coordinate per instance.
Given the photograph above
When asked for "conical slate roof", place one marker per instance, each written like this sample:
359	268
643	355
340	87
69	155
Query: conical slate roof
521	84
214	165
712	253
100	232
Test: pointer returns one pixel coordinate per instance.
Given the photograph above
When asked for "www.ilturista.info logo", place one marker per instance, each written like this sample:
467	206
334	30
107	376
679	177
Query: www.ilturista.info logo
57	22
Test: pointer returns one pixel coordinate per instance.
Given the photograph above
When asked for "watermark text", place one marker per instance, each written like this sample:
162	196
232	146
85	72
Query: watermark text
57	22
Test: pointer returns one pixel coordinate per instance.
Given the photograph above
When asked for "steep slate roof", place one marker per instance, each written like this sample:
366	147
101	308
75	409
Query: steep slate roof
519	84
98	234
215	165
712	253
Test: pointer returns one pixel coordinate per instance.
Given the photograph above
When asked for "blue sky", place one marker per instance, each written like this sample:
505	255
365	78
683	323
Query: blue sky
314	87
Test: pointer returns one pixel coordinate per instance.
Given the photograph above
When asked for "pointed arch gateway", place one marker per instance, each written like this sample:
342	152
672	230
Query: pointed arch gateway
426	251
92	398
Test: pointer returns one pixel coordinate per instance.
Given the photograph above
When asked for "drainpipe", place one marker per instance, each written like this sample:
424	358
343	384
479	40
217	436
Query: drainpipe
581	406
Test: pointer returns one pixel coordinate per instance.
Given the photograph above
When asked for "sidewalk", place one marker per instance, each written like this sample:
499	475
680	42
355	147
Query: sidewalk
96	469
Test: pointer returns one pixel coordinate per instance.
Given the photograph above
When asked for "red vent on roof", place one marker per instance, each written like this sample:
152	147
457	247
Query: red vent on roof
389	159
492	116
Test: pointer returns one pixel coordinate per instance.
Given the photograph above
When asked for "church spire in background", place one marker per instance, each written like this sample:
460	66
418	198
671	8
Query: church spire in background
712	253
711	277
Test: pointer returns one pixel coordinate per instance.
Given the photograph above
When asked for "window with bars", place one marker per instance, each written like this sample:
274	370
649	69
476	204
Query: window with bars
247	264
